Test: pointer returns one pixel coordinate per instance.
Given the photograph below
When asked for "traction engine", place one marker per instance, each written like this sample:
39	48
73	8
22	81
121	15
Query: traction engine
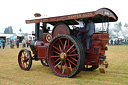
61	50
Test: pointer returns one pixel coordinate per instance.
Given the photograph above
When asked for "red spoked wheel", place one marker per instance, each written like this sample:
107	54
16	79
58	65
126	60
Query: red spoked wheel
44	62
25	59
66	56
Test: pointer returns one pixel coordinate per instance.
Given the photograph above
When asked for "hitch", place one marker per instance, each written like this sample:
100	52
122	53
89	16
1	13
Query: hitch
103	63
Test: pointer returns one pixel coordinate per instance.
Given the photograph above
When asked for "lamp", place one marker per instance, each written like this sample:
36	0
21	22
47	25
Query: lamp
37	14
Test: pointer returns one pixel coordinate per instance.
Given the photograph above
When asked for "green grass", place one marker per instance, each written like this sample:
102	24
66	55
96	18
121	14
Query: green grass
116	74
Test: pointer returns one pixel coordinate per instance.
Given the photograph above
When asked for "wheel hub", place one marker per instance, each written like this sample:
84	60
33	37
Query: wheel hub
63	55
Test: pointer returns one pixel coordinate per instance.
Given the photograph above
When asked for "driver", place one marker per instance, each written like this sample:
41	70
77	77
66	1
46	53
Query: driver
90	29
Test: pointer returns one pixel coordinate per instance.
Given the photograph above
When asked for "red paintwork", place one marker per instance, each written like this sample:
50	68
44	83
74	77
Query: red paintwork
38	43
47	37
92	57
99	41
58	29
41	46
98	36
42	52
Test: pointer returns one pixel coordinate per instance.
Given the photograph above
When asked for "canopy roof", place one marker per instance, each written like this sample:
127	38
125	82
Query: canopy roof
99	16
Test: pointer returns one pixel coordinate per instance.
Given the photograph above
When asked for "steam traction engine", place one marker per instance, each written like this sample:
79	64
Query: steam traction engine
61	50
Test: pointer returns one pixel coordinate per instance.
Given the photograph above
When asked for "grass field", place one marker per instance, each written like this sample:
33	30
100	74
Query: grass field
11	74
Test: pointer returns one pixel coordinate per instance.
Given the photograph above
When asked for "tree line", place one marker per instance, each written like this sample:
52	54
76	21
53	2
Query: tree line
119	30
8	30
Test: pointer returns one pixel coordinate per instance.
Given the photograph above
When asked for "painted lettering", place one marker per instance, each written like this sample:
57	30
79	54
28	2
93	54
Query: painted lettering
44	20
75	16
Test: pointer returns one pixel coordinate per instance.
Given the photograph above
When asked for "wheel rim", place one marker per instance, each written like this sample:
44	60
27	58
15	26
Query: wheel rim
24	60
63	56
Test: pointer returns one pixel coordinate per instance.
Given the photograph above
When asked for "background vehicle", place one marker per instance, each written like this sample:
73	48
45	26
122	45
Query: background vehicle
61	50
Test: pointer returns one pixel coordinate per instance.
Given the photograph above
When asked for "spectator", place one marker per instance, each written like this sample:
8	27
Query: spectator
111	42
23	43
3	44
118	42
17	43
28	43
0	44
114	42
11	43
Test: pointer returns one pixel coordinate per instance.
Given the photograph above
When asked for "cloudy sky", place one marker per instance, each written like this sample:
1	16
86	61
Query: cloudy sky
15	12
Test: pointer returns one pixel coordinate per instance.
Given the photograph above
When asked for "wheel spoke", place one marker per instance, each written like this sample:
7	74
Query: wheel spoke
70	48
73	50
63	69
67	67
57	64
23	63
70	66
61	43
73	55
61	66
54	56
56	52
57	60
71	62
74	59
60	47
56	48
21	57
26	59
23	54
65	44
26	64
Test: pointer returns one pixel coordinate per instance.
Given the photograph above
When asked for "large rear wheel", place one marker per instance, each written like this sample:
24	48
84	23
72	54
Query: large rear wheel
66	56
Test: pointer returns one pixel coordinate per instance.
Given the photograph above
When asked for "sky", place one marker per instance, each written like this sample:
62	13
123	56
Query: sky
15	12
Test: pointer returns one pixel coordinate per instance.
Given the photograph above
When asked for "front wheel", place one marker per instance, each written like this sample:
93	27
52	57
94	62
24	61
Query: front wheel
66	56
25	59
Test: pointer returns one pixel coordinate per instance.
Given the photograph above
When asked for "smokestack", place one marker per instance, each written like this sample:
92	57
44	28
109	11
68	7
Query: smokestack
37	27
